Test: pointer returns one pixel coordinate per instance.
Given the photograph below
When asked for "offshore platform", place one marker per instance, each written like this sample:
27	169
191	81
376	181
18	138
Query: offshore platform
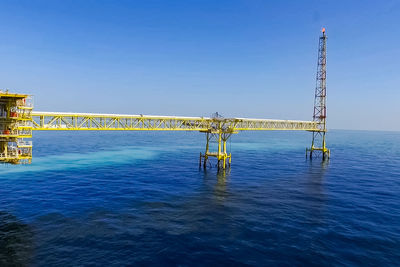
18	120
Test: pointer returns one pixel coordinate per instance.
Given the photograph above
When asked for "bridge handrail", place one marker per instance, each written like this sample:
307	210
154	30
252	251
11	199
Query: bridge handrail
96	121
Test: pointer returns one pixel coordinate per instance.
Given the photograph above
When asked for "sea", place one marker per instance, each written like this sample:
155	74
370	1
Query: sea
139	198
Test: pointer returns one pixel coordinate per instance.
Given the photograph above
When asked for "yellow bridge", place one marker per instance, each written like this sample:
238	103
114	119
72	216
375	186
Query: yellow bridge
216	128
18	120
106	122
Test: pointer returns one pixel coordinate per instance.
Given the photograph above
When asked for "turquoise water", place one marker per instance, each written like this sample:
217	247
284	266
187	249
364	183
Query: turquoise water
127	198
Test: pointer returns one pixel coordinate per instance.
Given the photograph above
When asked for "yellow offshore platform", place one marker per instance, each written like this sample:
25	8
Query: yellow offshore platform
18	120
15	128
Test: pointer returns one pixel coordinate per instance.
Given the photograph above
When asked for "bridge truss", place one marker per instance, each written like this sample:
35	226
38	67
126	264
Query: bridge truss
216	128
105	122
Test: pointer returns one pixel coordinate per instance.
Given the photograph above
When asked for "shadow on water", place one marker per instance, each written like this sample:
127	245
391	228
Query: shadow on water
316	173
15	241
314	190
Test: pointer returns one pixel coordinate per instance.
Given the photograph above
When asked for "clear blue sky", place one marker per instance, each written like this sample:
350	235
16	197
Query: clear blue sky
241	58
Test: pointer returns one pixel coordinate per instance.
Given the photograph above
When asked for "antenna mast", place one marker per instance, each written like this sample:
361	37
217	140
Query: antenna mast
318	141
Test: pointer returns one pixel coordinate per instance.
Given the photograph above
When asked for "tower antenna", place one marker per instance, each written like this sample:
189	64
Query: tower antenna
318	140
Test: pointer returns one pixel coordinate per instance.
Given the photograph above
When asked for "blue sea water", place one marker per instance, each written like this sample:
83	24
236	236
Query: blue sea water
139	198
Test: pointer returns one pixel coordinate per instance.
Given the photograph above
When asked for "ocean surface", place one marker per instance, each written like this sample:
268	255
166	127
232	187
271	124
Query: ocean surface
139	198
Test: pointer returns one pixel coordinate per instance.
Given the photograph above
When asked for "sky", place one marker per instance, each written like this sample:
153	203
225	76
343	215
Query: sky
248	58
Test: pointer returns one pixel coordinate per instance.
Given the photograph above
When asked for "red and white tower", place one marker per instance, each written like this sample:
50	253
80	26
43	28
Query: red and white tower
318	145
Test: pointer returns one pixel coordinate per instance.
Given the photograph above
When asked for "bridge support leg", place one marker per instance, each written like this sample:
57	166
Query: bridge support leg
318	146
223	157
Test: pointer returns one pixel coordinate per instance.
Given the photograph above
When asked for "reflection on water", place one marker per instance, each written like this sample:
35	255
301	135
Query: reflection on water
218	181
315	189
316	173
15	241
222	174
220	189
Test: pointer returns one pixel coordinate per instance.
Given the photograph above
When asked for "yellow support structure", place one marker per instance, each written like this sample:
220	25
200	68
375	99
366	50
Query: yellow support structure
221	138
48	121
216	128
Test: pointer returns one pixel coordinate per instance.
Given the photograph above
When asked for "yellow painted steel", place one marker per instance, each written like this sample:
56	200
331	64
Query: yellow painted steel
222	156
47	121
217	129
19	121
15	128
